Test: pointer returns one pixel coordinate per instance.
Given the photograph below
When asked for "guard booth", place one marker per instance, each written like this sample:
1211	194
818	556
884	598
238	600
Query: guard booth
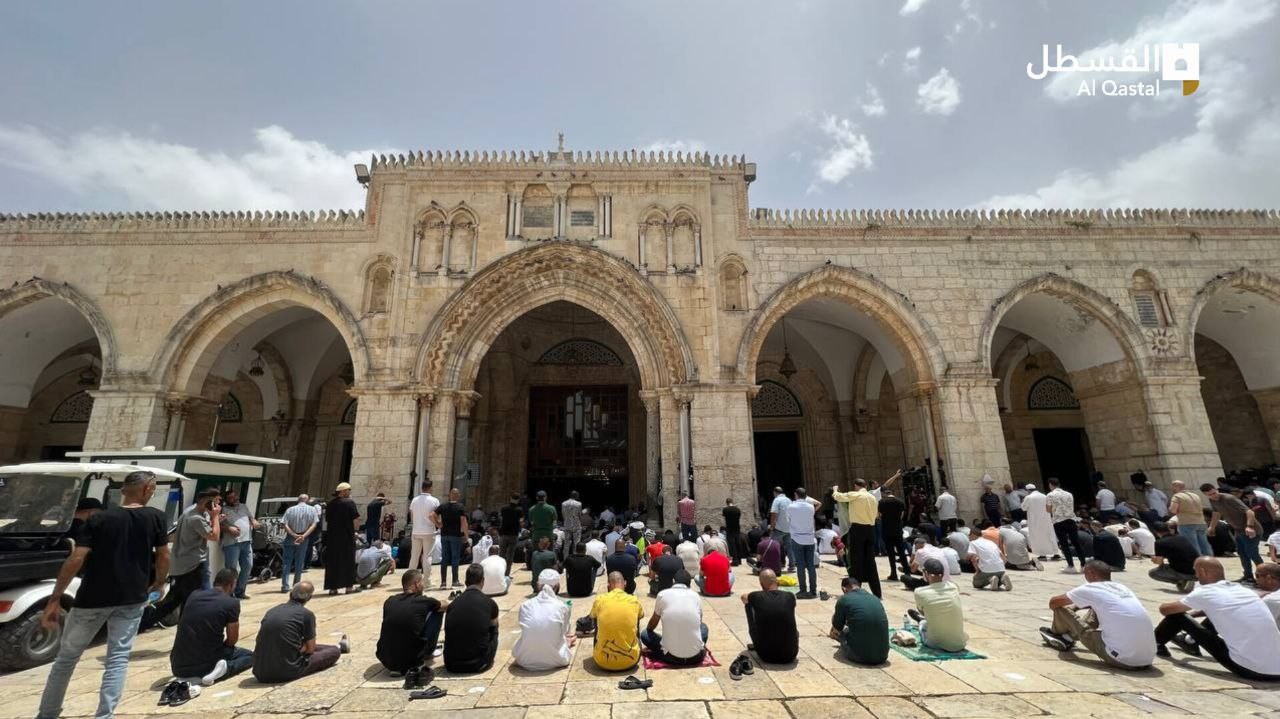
202	468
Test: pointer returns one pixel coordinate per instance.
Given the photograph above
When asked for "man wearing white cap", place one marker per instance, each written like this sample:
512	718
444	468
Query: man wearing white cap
341	519
1041	538
546	634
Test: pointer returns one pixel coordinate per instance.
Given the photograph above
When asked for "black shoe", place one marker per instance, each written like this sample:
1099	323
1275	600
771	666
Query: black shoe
746	666
1187	644
735	669
412	679
915	615
1054	640
1162	651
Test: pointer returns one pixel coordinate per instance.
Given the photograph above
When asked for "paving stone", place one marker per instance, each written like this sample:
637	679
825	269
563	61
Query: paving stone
978	705
664	710
506	695
749	709
843	707
893	708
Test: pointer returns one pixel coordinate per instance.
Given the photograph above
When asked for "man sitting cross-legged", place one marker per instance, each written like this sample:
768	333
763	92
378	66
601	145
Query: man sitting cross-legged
771	621
663	570
1238	630
715	579
496	580
286	646
624	563
411	624
542	558
1116	626
204	647
617	615
683	640
546	631
471	628
860	625
938	610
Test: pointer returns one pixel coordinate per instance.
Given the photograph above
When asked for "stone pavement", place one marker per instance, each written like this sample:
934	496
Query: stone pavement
1020	678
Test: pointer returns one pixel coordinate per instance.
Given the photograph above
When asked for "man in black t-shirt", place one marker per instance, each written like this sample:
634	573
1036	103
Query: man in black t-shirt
1175	558
124	553
771	621
411	625
1107	548
891	511
471	628
286	646
509	521
662	571
204	647
733	532
580	572
754	535
453	530
623	563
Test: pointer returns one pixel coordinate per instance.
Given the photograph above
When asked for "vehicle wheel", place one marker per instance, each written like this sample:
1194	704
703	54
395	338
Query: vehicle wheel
25	644
264	576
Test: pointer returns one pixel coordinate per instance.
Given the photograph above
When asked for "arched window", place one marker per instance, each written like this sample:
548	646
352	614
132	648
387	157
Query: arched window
1051	393
349	414
1150	304
73	410
733	285
580	351
377	292
230	411
774	400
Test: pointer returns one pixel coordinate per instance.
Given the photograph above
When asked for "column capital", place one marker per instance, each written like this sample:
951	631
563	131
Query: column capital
464	401
651	399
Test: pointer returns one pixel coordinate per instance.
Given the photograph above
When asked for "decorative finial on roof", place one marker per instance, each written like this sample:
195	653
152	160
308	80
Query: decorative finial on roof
560	135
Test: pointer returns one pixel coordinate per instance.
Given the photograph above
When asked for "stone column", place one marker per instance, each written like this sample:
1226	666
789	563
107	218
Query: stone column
652	447
439	451
697	247
463	403
669	447
1269	408
973	439
445	251
382	448
722	448
426	400
643	262
668	231
126	418
1184	443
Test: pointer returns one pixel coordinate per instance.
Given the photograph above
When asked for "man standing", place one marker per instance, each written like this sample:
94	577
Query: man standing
238	524
121	549
990	506
1243	522
733	532
803	552
860	541
687	513
1116	627
771	621
1040	534
299	523
1189	510
196	528
891	511
542	522
1013	500
1062	511
204	646
411	624
285	648
860	625
422	513
1238	630
454	531
341	521
778	523
946	506
373	517
1157	501
571	523
509	521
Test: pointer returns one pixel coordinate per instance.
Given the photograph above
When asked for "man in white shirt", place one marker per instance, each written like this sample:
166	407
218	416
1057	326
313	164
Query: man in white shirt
597	549
683	640
988	563
1013	501
1143	540
778	523
484	546
1041	537
373	563
923	551
1273	545
710	540
946	506
546	630
1116	627
688	553
1239	630
1106	502
803	552
607	517
1157	501
1268	578
826	537
422	513
496	581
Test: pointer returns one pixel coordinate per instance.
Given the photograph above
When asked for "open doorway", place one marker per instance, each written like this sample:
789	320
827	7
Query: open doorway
777	464
1064	453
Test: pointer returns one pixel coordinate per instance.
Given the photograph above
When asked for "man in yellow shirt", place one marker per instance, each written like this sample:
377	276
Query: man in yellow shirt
617	615
860	537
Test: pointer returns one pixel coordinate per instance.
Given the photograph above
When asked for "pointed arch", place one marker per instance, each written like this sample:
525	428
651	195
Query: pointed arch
36	289
193	344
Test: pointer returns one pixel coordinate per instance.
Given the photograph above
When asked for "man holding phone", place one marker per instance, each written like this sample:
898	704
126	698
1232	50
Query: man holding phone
199	526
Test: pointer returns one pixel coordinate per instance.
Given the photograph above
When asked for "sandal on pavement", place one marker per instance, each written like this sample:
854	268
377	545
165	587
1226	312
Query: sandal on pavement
431	692
633	682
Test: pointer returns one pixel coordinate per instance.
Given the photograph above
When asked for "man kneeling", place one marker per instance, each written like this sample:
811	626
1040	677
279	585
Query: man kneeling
411	625
683	640
860	624
286	647
771	621
373	563
938	610
1116	627
204	647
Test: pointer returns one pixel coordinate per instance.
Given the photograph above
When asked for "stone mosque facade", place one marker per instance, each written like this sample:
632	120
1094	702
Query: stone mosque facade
627	325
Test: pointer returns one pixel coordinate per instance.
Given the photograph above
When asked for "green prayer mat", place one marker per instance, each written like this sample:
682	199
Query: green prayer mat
921	653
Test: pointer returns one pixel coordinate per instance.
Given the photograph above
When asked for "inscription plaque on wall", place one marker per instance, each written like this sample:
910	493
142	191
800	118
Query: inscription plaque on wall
582	218
537	216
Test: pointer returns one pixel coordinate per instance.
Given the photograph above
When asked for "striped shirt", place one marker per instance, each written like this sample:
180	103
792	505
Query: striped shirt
299	518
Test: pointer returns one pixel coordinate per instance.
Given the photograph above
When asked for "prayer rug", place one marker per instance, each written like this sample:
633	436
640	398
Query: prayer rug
707	661
921	653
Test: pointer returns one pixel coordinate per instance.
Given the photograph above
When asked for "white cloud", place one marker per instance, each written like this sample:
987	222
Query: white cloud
872	103
686	146
911	7
849	152
911	59
281	173
939	95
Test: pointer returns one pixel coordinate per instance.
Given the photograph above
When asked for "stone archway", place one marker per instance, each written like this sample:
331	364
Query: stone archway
36	289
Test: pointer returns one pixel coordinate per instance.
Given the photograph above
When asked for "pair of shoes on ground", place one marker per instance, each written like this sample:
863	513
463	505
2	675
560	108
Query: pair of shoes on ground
741	665
418	677
806	595
176	693
634	682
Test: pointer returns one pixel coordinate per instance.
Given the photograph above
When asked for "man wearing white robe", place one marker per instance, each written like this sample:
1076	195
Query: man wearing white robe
1040	537
546	632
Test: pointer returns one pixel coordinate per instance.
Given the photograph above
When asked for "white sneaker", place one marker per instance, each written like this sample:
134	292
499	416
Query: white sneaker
1007	583
994	584
219	671
439	651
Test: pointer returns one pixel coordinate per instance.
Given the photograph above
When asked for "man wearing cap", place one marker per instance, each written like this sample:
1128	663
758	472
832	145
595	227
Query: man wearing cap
546	630
342	518
542	522
1040	535
938	610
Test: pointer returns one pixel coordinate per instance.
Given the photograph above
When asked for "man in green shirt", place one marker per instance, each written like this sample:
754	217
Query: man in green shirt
542	519
542	558
860	624
939	613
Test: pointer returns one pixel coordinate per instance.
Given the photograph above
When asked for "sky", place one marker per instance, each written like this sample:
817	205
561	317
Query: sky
240	105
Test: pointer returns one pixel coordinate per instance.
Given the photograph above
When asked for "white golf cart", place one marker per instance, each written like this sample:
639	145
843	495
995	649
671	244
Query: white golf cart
37	507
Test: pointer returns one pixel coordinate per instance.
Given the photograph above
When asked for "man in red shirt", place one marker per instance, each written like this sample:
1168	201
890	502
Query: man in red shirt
653	550
714	578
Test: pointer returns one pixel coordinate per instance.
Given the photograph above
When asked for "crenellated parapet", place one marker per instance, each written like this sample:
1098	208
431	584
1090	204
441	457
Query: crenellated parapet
162	221
500	160
765	218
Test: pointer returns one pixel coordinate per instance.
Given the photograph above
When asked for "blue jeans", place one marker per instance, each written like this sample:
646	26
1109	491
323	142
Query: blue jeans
450	556
294	560
81	626
806	561
1247	550
653	642
239	556
1197	534
784	538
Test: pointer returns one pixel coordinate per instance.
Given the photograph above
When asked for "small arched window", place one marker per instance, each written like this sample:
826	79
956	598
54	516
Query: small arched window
1150	304
733	285
73	410
1051	393
229	410
774	400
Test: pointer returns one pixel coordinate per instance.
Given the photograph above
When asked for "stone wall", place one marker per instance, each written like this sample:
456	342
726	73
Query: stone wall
1237	424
